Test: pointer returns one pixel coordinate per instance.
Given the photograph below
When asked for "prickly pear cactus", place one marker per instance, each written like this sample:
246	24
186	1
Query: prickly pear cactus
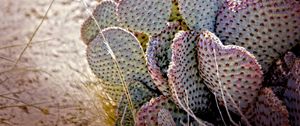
148	16
266	28
200	14
125	61
197	49
269	110
185	82
292	94
159	56
148	114
228	68
164	118
114	91
104	16
139	94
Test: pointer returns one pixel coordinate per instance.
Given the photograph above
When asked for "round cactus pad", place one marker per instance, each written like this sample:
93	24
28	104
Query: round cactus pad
105	16
186	85
128	54
230	69
266	28
149	16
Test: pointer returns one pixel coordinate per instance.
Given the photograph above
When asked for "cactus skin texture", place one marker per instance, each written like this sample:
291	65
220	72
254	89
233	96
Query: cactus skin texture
185	82
114	91
266	28
292	94
106	16
200	14
139	94
149	16
269	110
159	56
239	72
197	49
128	53
148	114
165	118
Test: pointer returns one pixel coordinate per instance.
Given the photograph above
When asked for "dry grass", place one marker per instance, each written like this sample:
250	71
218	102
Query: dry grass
25	90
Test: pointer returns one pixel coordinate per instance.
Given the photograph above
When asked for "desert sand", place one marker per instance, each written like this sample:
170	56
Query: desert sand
45	88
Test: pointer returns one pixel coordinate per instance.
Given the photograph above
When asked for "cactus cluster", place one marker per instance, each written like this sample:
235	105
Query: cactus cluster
199	62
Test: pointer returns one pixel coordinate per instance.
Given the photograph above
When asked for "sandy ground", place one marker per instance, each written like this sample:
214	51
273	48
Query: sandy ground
45	88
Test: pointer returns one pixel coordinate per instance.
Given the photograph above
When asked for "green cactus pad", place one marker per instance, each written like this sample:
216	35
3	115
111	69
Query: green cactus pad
199	14
266	28
128	53
148	113
164	118
139	94
292	94
159	56
149	16
106	16
239	72
269	110
184	80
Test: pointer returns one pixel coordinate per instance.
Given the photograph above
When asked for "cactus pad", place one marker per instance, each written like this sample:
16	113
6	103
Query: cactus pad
139	94
239	72
127	52
292	94
148	16
105	15
266	28
184	80
148	113
199	14
159	56
269	110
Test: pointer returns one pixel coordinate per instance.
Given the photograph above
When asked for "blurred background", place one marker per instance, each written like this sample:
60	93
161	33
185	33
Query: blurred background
46	82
